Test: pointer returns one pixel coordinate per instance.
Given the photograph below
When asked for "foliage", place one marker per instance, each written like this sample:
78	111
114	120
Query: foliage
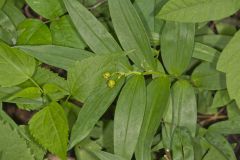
120	79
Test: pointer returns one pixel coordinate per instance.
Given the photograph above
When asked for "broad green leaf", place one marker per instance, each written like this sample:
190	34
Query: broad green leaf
205	53
59	56
107	156
30	92
15	66
15	14
91	30
221	144
65	34
129	115
80	84
13	146
48	9
182	145
50	128
177	42
184	106
33	32
233	110
221	98
8	31
131	33
227	127
158	92
198	10
207	77
216	41
94	107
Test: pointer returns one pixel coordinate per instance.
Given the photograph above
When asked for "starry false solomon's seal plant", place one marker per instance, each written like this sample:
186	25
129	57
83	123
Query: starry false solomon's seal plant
120	79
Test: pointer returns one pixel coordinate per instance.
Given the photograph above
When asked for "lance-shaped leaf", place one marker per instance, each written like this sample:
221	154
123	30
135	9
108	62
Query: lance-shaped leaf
129	116
15	66
50	128
58	56
146	10
198	10
158	92
229	63
207	77
221	144
33	32
91	30
131	33
48	9
182	144
184	106
177	44
94	107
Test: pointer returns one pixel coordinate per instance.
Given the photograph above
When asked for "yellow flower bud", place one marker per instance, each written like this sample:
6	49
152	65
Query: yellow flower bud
111	83
106	75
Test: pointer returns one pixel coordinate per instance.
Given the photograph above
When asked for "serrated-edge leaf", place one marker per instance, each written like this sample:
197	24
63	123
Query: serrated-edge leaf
50	128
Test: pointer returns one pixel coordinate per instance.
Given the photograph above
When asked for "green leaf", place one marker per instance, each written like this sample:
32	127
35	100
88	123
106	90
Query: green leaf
227	127
131	33
15	66
129	115
198	10
48	9
91	30
50	128
36	150
8	31
146	11
221	98
33	32
94	107
65	34
158	92
85	150
207	77
14	13
9	138
205	53
2	3
107	156
221	144
184	106
182	145
58	56
213	40
79	83
177	42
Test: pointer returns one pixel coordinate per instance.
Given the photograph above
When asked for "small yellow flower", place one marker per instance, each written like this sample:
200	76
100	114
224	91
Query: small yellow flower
111	83
106	75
